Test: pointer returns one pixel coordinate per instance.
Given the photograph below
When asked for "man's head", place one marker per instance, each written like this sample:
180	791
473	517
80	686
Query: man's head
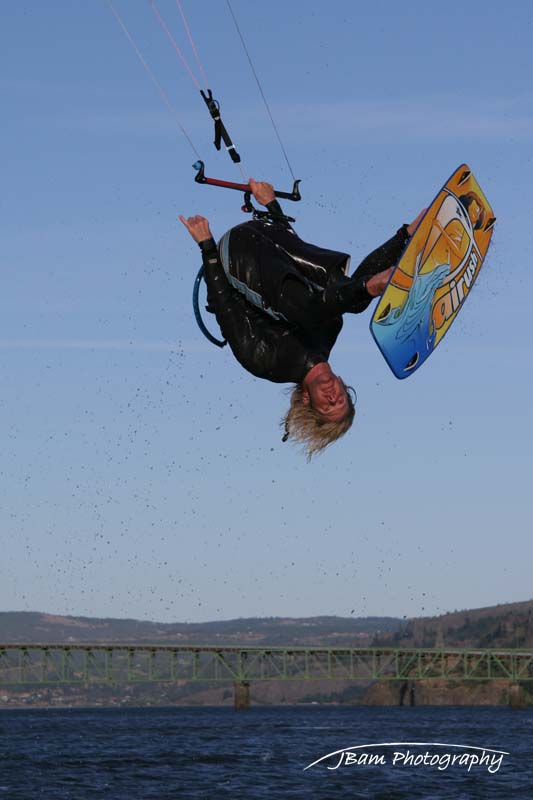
326	393
322	410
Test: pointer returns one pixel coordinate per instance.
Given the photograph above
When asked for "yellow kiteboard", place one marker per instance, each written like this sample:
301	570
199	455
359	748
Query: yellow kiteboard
434	275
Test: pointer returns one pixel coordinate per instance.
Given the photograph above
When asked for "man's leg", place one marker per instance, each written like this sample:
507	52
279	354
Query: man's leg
384	257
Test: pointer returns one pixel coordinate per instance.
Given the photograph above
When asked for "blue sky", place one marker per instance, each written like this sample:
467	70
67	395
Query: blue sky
143	472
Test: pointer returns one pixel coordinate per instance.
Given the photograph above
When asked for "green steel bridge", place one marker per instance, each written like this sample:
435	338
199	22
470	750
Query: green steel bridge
141	663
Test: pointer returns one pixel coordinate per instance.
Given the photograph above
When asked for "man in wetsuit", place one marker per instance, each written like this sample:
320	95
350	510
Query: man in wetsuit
279	303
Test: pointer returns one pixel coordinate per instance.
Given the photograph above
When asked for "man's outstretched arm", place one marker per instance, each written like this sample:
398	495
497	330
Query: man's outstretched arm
220	294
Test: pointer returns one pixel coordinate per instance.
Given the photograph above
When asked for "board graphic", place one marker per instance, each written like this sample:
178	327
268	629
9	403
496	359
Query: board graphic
434	275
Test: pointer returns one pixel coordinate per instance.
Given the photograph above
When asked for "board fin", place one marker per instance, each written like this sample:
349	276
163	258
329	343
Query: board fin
412	363
385	313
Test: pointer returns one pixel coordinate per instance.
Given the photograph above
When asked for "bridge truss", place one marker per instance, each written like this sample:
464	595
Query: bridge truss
135	663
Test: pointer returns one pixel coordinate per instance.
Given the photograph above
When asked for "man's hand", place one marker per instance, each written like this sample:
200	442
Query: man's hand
198	227
376	285
263	192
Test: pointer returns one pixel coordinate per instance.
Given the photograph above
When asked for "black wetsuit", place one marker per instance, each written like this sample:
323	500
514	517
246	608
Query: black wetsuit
282	312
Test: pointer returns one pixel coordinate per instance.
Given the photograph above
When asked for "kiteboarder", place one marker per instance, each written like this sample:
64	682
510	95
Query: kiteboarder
279	303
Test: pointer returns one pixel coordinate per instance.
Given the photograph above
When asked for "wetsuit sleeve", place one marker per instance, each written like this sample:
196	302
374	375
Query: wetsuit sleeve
221	296
310	308
277	213
253	337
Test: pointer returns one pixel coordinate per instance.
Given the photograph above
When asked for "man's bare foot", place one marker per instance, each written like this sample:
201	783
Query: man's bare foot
376	285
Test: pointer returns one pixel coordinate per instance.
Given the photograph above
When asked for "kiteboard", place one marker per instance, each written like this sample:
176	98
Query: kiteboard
434	275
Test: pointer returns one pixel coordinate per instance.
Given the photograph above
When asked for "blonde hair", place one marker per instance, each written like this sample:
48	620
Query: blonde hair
305	425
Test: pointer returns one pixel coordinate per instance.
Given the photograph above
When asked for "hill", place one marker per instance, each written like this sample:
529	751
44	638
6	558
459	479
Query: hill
28	626
501	626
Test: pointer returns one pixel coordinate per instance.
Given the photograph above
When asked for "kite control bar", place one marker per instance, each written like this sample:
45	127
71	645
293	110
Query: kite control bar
200	177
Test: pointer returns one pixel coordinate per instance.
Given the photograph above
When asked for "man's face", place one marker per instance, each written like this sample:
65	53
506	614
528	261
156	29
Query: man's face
328	397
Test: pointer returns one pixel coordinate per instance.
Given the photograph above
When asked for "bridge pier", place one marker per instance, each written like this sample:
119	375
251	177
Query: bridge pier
407	694
517	697
241	696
